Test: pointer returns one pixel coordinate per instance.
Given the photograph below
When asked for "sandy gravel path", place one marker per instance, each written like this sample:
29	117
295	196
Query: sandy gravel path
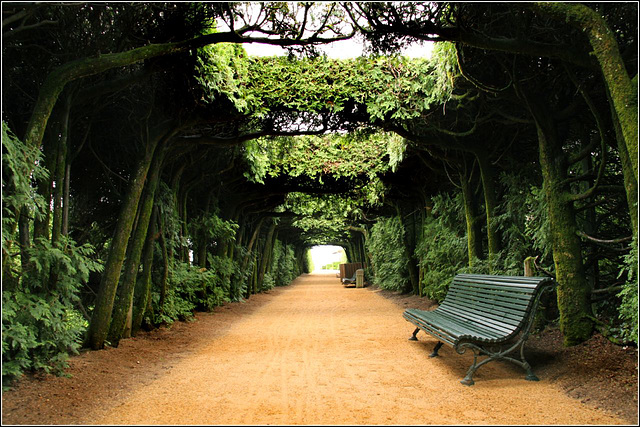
323	354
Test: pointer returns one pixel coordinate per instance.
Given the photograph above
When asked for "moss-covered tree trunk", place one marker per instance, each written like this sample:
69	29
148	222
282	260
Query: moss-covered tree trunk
142	292
126	287
474	232
252	241
166	259
203	239
630	177
266	252
573	288
101	316
624	95
490	203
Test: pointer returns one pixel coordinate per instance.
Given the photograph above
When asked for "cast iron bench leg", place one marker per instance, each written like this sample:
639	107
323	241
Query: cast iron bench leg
468	379
413	337
435	349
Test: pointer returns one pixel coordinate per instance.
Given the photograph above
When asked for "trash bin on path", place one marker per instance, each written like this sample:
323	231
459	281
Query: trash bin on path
360	278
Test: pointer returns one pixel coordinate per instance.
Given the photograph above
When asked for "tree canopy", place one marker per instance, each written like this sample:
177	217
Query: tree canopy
152	168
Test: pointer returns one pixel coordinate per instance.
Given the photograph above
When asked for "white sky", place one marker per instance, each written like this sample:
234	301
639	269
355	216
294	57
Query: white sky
339	50
323	255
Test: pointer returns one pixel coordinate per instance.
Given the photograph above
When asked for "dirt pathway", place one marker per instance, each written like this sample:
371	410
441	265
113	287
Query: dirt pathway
323	354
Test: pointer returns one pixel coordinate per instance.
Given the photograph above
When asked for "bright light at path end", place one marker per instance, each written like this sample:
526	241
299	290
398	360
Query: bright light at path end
323	255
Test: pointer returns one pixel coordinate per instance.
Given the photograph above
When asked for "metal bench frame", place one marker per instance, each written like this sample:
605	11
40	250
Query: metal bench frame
498	347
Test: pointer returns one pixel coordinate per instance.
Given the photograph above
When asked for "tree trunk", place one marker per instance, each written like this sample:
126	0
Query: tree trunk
165	263
126	288
623	92
630	178
474	235
101	317
573	289
490	203
266	252
142	291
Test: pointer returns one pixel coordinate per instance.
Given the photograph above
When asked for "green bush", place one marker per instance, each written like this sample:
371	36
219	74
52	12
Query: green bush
192	288
628	311
284	267
442	250
387	254
308	266
40	326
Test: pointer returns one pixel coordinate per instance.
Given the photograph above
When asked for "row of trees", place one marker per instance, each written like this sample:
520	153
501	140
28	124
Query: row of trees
160	170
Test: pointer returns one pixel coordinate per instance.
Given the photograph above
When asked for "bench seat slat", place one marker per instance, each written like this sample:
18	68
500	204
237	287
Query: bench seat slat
500	328
492	320
455	326
464	327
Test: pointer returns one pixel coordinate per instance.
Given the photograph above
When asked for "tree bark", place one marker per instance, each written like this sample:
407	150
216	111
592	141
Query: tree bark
490	202
126	287
573	289
266	253
624	95
101	317
142	292
474	235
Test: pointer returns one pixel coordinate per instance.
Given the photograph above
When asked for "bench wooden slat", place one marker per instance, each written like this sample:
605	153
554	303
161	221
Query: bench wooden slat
499	302
514	313
455	326
504	329
508	281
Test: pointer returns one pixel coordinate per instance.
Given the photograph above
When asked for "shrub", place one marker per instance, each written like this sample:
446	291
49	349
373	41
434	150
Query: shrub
387	254
40	326
628	311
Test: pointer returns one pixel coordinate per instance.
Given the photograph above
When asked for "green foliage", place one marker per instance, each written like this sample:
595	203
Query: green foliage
390	87
284	267
537	225
332	266
308	266
40	326
21	165
192	288
628	311
214	227
387	254
217	71
442	248
322	219
344	156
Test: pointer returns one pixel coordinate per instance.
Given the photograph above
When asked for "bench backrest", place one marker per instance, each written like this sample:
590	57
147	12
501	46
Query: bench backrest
500	303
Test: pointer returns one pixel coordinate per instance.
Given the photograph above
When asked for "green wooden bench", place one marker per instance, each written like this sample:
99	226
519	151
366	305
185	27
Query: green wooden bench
349	280
491	315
